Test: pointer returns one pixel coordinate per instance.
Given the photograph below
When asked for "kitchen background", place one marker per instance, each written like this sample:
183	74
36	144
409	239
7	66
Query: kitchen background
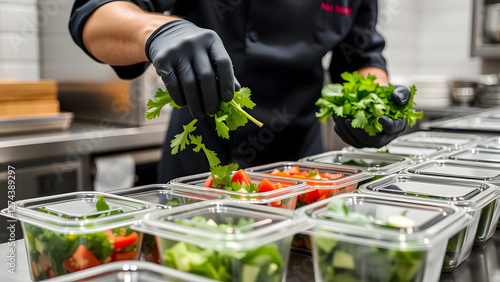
429	43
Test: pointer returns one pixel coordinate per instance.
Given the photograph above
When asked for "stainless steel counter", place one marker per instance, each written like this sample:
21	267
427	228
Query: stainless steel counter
81	138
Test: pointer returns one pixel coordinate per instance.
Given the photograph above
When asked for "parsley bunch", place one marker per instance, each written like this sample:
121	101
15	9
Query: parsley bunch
365	101
230	116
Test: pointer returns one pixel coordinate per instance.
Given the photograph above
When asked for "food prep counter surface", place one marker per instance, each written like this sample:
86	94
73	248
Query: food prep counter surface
81	138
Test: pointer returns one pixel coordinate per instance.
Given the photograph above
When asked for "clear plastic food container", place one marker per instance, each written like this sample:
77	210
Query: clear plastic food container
165	196
75	231
416	152
476	155
323	180
360	237
458	169
377	165
130	271
478	198
225	240
491	143
455	141
285	197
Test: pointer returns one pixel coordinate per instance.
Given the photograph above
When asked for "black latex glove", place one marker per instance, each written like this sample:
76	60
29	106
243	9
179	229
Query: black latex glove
357	137
194	65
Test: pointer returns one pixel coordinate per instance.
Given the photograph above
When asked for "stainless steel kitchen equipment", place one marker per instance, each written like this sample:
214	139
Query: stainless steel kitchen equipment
486	28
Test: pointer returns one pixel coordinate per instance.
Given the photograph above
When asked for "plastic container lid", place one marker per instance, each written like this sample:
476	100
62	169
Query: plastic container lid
458	169
416	152
432	224
167	195
491	143
292	188
130	271
78	206
375	164
454	141
261	225
352	175
476	155
460	192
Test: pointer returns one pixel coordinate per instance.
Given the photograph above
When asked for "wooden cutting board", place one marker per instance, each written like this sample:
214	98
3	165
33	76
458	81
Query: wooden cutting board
16	90
28	107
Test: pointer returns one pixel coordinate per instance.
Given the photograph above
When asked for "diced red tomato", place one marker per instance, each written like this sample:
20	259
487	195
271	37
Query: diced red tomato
121	242
241	177
295	170
118	256
266	186
278	185
111	235
81	259
43	262
276	204
209	182
331	176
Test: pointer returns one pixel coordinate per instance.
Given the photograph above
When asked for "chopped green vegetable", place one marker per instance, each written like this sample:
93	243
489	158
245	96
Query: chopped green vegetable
173	202
101	204
365	102
230	116
264	263
345	261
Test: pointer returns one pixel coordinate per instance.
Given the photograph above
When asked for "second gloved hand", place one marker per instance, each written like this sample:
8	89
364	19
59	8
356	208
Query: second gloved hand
357	137
194	65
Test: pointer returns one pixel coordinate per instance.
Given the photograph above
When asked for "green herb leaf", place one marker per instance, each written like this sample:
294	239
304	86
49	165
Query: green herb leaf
212	158
365	102
182	139
101	204
173	202
155	104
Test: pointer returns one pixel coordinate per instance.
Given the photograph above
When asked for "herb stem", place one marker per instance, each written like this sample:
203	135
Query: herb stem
236	106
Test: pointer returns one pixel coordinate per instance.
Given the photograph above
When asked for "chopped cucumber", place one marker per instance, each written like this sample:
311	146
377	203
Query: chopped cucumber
343	260
400	221
250	273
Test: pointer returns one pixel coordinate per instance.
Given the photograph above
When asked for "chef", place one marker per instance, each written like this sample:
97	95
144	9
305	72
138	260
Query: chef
206	49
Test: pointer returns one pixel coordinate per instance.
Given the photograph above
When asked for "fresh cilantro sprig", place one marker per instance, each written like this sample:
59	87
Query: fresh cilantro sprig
221	176
229	117
365	102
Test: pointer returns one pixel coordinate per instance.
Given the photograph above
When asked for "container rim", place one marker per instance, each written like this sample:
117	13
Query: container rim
386	238
152	224
477	202
399	160
86	226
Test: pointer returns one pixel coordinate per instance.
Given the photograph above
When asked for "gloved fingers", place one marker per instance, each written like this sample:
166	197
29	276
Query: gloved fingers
341	128
207	82
173	86
237	85
391	126
400	95
222	63
190	90
377	141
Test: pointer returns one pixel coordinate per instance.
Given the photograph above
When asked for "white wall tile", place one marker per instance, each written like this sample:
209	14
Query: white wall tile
21	69
16	46
18	17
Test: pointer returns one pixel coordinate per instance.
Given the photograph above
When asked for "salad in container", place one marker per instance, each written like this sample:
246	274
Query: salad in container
164	196
244	187
324	180
224	240
454	141
377	165
75	231
360	237
479	199
130	271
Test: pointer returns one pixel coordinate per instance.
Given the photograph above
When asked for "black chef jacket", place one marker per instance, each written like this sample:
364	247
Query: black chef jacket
276	48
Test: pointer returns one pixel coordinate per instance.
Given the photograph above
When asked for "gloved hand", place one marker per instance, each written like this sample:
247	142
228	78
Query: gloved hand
357	137
194	65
